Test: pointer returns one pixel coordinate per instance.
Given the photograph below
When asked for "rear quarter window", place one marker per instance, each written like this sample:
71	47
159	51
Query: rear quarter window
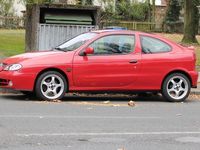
152	45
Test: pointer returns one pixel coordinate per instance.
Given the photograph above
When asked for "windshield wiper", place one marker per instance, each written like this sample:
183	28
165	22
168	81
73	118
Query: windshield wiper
60	49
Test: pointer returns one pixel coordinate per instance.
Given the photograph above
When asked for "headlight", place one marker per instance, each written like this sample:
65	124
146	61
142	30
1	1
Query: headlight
13	67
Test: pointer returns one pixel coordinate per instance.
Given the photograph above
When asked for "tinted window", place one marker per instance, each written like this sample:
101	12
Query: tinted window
153	45
115	44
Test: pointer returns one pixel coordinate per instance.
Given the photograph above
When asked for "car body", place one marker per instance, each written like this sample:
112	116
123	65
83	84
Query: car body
104	60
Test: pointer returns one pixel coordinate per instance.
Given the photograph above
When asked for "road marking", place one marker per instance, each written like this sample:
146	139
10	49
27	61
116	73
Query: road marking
78	117
104	133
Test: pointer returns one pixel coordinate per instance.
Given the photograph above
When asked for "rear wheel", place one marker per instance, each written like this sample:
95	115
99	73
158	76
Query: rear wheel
51	85
176	87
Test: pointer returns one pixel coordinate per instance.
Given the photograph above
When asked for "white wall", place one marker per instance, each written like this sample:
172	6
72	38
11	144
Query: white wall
18	7
158	2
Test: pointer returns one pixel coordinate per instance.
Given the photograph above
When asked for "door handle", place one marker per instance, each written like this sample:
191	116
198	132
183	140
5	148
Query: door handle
134	61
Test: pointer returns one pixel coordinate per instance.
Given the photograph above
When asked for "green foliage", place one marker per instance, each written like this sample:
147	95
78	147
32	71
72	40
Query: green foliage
108	13
37	1
134	11
173	12
84	2
126	11
6	8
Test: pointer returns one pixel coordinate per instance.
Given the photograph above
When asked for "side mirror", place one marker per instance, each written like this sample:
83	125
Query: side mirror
88	50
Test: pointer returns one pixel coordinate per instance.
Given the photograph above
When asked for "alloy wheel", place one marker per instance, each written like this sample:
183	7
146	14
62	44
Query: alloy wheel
52	86
177	87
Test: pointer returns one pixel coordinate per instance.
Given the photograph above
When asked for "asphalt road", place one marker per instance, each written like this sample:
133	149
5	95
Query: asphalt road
152	124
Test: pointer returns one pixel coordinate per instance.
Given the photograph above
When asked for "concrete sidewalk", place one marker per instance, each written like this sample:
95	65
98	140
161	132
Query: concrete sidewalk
196	90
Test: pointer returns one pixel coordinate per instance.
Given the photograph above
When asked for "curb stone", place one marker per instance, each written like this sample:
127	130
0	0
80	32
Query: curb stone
195	92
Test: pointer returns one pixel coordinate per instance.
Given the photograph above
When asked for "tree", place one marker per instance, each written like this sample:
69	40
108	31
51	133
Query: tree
125	10
6	8
85	2
149	10
173	11
172	15
191	21
153	10
36	1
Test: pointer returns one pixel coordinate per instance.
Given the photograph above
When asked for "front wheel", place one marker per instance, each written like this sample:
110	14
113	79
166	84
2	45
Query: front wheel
176	87
51	85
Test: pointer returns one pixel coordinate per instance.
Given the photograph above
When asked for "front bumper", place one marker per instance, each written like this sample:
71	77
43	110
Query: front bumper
17	80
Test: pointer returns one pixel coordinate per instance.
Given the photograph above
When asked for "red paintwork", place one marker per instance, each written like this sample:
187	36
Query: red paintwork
111	72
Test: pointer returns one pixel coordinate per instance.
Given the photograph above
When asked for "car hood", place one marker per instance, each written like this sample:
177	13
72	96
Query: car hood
44	57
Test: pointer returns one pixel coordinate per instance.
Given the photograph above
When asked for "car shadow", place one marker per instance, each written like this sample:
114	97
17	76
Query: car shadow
84	97
116	98
90	97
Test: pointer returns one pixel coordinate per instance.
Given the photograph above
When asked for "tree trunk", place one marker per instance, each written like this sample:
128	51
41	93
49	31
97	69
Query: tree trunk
153	10
149	10
190	22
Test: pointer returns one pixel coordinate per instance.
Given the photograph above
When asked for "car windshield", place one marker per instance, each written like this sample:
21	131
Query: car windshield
76	42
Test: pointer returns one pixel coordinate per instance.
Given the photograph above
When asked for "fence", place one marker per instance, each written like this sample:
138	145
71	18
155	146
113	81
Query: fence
139	26
19	22
51	35
12	22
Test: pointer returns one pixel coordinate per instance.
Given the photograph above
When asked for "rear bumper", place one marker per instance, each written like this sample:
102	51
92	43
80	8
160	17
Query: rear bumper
17	80
194	77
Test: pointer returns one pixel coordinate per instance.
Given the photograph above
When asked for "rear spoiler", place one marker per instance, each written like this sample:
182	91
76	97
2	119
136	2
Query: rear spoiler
188	47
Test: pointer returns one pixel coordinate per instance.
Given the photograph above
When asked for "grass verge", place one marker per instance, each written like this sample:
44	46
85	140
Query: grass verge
12	42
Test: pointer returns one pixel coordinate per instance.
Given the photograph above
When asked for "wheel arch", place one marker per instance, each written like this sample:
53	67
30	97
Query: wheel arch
52	69
177	71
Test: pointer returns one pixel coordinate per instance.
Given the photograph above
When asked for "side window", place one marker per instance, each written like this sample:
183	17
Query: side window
153	45
114	44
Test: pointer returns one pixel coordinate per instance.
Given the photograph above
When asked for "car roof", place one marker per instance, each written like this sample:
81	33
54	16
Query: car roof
111	31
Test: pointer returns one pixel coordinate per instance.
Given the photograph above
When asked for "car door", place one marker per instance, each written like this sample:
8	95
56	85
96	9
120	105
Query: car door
114	65
156	61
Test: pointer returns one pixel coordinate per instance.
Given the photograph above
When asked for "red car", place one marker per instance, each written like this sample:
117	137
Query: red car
104	60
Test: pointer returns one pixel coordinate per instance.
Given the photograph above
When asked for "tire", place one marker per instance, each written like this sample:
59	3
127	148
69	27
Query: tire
176	87
51	85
